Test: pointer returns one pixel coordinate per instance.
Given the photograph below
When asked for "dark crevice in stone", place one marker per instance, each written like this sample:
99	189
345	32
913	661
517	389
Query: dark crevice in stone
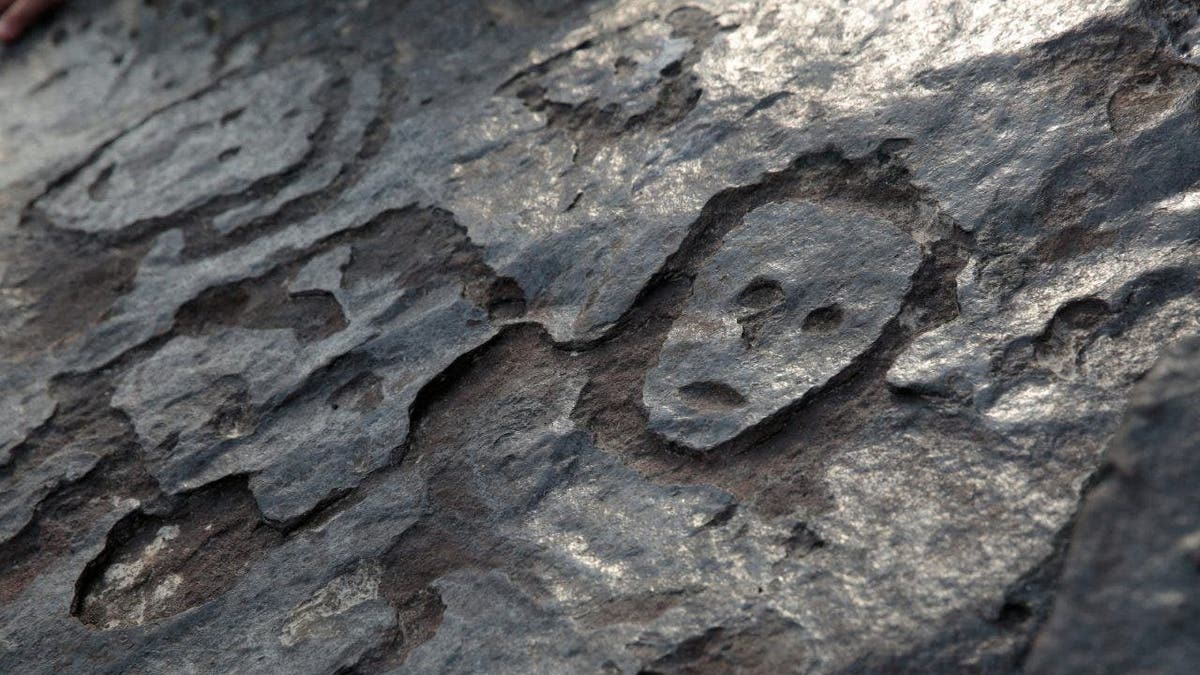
186	551
67	513
1077	324
82	421
83	424
637	607
505	300
72	279
722	517
802	541
98	190
475	400
361	394
767	102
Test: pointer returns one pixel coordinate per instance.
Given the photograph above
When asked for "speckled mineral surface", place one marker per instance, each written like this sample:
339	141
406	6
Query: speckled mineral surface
601	336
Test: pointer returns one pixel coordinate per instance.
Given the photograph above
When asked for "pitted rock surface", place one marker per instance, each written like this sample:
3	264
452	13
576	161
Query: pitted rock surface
628	336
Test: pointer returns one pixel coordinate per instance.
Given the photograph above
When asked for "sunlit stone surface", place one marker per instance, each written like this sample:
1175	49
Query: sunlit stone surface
520	336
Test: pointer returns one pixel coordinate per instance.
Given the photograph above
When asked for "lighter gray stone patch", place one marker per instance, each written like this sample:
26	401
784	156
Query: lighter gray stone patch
322	273
310	620
310	449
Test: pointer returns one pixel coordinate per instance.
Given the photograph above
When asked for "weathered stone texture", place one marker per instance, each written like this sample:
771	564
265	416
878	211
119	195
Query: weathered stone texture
520	336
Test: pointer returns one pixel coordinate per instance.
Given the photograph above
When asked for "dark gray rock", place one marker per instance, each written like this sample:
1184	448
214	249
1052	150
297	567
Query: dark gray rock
613	336
1128	601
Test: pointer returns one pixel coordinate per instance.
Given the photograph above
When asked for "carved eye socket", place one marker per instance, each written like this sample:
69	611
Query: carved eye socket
760	294
232	116
823	319
709	395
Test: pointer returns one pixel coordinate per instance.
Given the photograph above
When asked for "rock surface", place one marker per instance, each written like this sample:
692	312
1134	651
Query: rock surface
1128	594
612	336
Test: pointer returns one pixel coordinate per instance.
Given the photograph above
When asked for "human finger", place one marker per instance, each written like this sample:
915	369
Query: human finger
20	14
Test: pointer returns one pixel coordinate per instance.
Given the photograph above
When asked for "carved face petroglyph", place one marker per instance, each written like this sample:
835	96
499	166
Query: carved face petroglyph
219	143
792	297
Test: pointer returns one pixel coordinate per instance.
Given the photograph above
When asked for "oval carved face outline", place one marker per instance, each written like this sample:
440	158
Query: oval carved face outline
220	143
791	299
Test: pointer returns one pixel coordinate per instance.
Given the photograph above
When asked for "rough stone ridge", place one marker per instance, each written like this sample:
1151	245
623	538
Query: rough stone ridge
629	336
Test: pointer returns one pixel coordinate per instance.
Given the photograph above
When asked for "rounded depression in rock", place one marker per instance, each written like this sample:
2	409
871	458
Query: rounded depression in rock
792	297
